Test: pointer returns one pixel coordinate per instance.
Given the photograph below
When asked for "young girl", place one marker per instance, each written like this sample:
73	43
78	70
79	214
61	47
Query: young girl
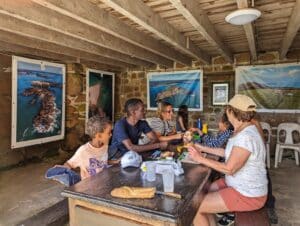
92	157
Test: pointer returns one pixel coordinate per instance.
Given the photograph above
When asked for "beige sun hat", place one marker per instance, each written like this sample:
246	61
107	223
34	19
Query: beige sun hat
242	102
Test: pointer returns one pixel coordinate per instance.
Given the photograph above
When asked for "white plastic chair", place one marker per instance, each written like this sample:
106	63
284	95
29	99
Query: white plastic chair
288	143
266	127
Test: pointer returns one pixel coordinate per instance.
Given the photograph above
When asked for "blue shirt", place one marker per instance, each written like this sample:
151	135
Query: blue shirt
217	141
123	131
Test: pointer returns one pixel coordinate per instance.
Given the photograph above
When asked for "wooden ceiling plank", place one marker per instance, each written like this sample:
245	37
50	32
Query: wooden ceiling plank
58	49
291	31
26	29
249	30
18	50
199	20
40	16
143	15
98	18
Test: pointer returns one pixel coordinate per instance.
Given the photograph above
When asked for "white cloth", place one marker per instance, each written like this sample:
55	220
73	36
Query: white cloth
251	180
91	158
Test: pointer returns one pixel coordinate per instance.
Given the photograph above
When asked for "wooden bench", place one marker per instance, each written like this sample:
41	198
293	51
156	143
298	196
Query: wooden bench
252	218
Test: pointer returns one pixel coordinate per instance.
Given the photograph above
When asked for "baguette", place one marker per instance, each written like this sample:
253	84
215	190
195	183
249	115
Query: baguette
133	192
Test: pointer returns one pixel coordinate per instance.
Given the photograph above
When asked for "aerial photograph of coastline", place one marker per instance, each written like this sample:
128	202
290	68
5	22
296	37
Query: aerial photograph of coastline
39	101
273	87
176	88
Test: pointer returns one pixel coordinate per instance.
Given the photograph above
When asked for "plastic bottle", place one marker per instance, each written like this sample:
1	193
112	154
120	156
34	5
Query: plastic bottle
199	124
204	129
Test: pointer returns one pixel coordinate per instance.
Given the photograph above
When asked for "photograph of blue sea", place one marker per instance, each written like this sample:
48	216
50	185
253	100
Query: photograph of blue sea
176	88
273	87
39	101
104	99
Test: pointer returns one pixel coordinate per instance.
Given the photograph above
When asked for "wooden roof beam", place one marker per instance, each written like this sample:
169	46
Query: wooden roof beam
39	45
26	29
143	15
199	20
291	31
249	30
41	16
55	57
98	18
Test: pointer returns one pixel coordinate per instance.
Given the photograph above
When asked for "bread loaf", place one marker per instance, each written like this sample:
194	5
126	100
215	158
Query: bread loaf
133	192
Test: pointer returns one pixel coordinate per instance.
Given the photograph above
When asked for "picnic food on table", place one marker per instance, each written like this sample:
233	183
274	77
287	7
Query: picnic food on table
167	154
133	192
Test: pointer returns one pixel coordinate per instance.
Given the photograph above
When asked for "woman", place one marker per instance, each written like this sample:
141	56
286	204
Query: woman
182	119
162	125
245	185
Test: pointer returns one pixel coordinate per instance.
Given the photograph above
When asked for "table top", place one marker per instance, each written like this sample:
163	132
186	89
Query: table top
97	190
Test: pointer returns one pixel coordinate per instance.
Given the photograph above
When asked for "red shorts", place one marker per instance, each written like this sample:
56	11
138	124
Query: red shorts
235	201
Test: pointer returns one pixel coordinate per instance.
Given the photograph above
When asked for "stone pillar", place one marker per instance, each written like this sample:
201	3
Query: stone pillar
75	106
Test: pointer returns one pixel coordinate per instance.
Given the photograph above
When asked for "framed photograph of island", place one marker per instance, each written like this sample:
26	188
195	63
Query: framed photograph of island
38	102
274	88
100	94
220	92
177	88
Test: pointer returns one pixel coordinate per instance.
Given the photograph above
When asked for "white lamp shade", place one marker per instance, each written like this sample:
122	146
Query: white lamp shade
242	16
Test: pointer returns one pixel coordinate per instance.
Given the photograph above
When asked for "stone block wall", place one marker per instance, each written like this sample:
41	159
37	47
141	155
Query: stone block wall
133	84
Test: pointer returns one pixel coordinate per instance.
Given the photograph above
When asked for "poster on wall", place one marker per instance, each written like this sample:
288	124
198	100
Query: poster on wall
220	93
38	102
100	94
274	88
177	88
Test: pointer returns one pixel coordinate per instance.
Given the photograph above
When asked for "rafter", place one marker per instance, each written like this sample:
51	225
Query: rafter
199	20
33	31
38	15
98	18
248	28
19	50
39	45
291	31
143	15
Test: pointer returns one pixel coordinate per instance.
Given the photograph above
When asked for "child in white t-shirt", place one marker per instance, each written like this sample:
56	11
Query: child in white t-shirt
92	157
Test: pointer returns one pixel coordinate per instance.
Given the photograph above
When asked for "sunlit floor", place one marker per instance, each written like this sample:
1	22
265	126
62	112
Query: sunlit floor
24	192
286	189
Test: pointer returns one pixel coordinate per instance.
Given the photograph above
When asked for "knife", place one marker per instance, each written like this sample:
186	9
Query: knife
171	194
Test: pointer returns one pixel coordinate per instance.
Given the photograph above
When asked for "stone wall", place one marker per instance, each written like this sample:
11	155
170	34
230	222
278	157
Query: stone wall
127	84
134	84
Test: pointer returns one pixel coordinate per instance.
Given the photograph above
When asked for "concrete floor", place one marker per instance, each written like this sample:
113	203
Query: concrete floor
286	189
24	192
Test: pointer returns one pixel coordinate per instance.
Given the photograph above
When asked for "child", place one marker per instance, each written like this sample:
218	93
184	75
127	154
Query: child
92	157
220	140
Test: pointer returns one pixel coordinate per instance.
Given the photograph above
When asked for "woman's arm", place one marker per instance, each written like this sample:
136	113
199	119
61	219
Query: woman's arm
236	161
215	151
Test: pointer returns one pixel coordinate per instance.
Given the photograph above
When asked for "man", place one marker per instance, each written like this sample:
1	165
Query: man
128	130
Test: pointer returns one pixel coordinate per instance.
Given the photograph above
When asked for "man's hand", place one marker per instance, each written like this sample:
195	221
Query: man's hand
163	145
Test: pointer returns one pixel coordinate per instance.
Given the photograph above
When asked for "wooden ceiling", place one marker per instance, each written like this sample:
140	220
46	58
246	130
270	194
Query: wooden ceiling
120	34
